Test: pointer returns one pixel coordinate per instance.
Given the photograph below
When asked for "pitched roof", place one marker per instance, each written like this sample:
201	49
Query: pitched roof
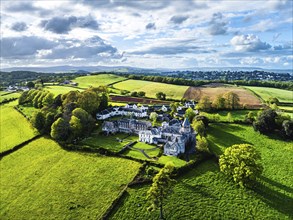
186	123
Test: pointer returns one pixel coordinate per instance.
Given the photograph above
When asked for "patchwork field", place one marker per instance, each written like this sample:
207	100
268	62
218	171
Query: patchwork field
5	95
265	93
212	90
206	193
222	115
56	90
97	80
15	129
151	88
44	181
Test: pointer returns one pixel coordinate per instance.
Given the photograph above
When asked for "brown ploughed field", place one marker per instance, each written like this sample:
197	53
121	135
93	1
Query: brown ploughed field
212	90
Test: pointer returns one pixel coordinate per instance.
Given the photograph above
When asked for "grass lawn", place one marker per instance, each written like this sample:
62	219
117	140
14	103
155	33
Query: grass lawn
15	129
265	93
56	90
150	150
151	88
97	80
204	193
236	114
43	181
177	162
28	110
111	142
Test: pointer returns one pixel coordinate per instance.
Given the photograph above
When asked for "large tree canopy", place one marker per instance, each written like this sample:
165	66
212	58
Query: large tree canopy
241	162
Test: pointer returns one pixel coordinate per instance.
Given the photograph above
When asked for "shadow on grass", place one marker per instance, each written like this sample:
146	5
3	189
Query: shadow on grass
200	189
276	184
273	198
219	138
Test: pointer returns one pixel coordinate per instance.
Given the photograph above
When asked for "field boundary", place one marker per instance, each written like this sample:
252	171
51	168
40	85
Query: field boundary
112	207
17	147
254	93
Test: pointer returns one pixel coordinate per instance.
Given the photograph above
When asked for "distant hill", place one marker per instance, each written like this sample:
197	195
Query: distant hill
127	69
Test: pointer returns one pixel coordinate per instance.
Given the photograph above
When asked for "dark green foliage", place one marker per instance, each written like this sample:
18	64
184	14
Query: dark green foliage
49	120
141	94
287	129
23	98
241	162
86	120
265	122
204	104
161	95
60	130
38	121
202	118
134	94
104	101
199	127
30	85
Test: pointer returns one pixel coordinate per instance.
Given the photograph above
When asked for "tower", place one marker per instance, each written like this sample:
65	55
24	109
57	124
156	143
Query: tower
185	126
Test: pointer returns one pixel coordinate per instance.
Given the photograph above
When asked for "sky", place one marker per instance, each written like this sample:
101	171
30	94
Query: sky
147	34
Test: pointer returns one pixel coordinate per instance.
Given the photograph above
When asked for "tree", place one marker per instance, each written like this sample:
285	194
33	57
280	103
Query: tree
153	117
202	145
249	117
23	98
104	101
161	95
241	162
204	119
30	85
265	122
287	128
204	104
60	130
49	120
38	121
87	121
89	101
160	189
141	94
189	113
75	126
134	94
48	99
219	102
232	100
199	127
173	107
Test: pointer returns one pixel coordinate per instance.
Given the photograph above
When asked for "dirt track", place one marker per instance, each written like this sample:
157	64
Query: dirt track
212	90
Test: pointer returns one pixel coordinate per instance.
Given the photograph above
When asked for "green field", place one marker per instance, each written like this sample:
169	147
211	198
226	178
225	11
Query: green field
8	96
43	181
97	80
265	93
222	115
112	142
56	90
204	193
15	129
151	88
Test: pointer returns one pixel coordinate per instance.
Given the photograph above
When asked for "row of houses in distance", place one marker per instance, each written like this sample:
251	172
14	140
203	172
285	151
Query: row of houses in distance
141	111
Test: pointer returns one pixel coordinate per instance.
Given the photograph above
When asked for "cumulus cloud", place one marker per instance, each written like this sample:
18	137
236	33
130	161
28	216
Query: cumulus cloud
171	50
249	43
26	7
141	5
19	26
150	26
178	19
218	25
92	47
20	47
62	25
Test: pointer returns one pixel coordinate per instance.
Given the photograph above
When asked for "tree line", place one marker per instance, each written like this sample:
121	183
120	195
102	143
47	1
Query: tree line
66	117
190	82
